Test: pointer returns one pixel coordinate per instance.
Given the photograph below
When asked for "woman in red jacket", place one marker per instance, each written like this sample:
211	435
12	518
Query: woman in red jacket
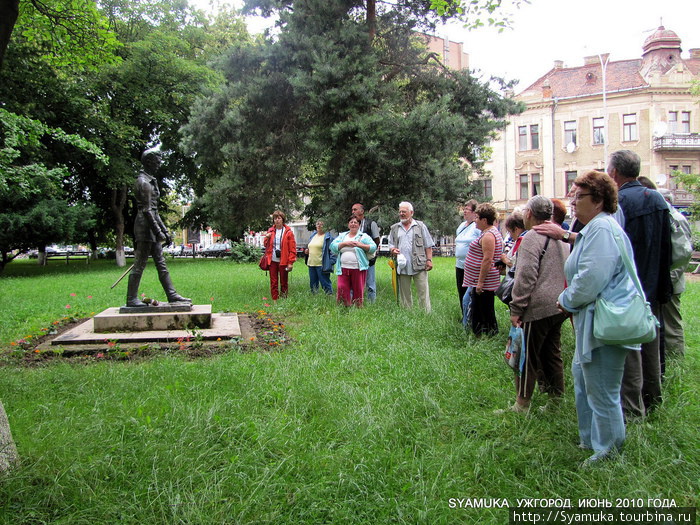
281	252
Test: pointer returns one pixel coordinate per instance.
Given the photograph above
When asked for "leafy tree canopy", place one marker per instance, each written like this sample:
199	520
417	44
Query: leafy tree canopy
33	210
477	13
328	113
68	34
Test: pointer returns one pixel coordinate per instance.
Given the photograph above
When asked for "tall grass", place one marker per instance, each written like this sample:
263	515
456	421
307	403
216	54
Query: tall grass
374	415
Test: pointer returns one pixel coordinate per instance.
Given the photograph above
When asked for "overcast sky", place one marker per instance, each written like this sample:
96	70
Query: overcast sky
567	30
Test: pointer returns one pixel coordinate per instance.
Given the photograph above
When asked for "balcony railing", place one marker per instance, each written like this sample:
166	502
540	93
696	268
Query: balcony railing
677	141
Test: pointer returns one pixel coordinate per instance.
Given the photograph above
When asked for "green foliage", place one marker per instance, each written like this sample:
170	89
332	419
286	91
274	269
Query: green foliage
477	13
369	416
69	35
138	97
242	252
33	211
325	112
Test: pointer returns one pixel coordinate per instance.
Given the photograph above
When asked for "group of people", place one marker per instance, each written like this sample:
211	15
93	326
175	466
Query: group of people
351	256
558	273
561	272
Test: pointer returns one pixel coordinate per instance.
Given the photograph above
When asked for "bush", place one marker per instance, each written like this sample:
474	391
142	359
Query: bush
242	252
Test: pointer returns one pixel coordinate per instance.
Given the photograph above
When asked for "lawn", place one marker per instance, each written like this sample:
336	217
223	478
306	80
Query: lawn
374	415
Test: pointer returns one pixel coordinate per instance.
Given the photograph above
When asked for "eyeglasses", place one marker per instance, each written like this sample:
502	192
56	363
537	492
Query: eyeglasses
577	196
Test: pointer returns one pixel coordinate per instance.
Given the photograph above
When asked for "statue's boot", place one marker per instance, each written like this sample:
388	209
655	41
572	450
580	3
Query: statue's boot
132	292
170	293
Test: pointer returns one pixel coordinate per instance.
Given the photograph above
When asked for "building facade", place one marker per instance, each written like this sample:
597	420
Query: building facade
577	116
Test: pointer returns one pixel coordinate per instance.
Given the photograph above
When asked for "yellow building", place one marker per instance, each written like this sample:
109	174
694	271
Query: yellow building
576	116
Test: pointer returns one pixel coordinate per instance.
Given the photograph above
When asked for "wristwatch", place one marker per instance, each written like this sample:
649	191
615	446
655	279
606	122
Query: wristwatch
565	236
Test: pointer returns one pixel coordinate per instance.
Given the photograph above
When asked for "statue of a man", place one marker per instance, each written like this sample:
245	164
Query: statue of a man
149	234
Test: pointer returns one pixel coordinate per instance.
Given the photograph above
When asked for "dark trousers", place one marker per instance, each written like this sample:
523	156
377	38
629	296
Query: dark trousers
641	382
483	314
459	274
543	363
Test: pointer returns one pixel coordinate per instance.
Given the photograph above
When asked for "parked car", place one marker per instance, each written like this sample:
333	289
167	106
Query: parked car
220	249
173	250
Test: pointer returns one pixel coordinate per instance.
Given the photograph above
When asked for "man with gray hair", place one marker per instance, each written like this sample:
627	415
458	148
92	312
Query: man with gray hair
644	215
410	242
674	338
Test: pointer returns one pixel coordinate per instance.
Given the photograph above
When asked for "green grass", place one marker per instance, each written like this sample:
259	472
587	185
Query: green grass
378	415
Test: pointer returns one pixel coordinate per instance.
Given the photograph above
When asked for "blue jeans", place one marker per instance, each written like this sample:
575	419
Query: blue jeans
371	285
466	307
316	276
601	425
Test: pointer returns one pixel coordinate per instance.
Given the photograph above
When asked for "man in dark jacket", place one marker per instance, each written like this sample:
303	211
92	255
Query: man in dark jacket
644	216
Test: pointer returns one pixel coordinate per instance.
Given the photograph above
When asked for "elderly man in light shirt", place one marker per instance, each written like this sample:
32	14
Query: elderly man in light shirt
411	243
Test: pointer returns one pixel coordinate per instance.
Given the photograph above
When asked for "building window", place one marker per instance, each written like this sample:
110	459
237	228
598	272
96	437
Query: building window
570	178
487	188
530	185
629	127
599	130
524	194
527	143
685	122
570	132
534	136
672	121
522	138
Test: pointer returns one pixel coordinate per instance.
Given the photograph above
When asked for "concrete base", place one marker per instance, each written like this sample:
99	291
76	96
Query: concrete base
111	320
161	308
223	326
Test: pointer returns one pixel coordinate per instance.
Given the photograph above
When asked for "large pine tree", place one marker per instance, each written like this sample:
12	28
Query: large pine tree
343	105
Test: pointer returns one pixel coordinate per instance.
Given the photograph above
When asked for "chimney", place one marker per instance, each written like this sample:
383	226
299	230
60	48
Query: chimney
694	53
558	64
595	59
546	89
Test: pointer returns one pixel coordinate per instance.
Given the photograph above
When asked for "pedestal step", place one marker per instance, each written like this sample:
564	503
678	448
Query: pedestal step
111	320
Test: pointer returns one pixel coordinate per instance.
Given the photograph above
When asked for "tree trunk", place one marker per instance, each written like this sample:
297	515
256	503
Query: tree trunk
117	205
372	19
8	451
9	11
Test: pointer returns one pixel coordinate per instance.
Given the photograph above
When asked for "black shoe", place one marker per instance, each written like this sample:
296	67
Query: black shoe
135	303
177	298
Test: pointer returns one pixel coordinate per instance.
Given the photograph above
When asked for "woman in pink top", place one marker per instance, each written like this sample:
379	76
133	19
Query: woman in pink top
480	271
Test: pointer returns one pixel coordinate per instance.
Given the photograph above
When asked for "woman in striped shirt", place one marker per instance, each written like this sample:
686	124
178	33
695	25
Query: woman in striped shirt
481	274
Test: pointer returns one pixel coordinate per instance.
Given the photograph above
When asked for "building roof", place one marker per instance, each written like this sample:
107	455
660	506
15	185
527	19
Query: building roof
661	52
588	79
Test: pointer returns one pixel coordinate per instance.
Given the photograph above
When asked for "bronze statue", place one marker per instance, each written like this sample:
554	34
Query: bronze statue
149	234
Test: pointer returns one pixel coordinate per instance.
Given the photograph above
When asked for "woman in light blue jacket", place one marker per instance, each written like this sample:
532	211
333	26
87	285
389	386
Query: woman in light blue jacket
352	247
595	268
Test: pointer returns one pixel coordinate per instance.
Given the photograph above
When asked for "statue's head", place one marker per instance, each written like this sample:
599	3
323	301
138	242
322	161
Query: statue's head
151	160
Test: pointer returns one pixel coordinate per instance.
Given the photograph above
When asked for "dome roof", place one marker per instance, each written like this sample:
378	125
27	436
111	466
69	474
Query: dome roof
662	38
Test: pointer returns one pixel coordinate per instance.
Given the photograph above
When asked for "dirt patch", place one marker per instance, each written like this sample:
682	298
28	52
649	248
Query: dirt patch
259	333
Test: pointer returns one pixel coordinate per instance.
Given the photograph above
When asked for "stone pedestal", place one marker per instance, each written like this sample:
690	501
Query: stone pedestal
150	327
153	318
